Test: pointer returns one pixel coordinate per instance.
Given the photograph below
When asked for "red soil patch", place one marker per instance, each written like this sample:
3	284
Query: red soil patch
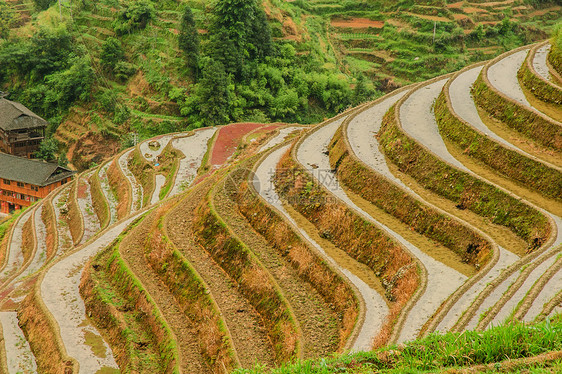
470	10
456	5
460	16
542	12
429	18
357	23
174	31
496	3
228	138
82	188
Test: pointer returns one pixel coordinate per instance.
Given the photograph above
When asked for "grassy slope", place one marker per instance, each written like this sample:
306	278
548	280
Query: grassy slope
493	347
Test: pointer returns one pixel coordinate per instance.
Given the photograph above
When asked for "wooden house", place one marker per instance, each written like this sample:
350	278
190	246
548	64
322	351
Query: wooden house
21	130
24	181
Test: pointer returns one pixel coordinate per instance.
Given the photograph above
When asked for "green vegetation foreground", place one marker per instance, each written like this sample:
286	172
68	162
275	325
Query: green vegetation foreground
450	352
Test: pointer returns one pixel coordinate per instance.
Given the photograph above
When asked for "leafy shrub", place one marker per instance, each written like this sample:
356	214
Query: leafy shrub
7	19
43	4
134	17
112	53
124	70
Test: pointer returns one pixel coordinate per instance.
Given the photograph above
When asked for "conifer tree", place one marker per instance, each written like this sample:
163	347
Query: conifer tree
242	26
189	41
213	94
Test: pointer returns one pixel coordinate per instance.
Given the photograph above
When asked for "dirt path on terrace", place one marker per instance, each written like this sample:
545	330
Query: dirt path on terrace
515	297
544	262
503	293
60	293
150	155
194	148
159	182
136	188
249	335
20	282
361	134
549	290
15	255
506	259
464	106
19	357
540	65
84	198
418	121
442	280
63	231
364	280
279	138
108	194
318	322
132	250
424	129
362	131
503	76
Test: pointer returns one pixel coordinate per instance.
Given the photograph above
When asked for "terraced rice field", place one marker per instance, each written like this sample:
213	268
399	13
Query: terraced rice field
427	210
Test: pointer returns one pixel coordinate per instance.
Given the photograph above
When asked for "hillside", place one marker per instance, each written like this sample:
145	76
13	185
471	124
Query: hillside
117	71
416	232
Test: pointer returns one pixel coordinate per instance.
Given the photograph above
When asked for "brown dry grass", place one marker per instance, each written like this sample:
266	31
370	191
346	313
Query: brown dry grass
74	217
190	293
359	23
120	186
107	318
41	335
99	202
350	232
4	247
126	283
144	174
408	283
48	217
28	239
251	277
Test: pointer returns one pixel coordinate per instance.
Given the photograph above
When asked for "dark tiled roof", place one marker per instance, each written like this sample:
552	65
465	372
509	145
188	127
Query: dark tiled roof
14	116
38	173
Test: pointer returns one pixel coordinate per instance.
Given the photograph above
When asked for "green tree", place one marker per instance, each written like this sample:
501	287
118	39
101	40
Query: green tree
7	19
223	49
188	41
111	53
213	94
63	160
240	25
261	36
67	86
51	50
47	149
134	17
361	92
43	4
